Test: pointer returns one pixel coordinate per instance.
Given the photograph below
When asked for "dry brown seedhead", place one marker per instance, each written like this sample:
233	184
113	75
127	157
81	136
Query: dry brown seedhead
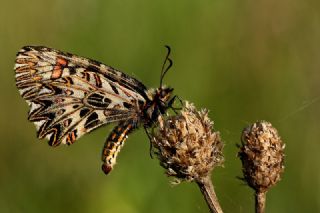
186	144
262	156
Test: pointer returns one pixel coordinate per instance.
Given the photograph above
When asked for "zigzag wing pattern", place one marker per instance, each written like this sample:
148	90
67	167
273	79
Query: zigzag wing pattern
69	95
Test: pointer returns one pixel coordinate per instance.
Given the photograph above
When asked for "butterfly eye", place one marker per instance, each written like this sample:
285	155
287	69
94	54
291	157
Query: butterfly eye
163	93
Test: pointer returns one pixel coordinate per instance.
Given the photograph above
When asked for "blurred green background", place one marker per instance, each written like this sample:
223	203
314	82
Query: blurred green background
243	60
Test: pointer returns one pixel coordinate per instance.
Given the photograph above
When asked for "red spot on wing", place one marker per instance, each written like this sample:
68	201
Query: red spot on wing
57	69
62	61
56	72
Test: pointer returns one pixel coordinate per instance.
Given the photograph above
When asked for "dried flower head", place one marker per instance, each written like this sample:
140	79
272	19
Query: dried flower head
262	156
186	145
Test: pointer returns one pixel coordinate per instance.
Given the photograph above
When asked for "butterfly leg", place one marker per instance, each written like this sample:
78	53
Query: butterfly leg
114	143
150	140
171	102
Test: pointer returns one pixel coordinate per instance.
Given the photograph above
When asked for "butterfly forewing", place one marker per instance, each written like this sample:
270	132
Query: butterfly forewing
69	95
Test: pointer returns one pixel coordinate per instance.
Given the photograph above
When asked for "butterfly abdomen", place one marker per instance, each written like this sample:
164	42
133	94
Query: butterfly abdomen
114	143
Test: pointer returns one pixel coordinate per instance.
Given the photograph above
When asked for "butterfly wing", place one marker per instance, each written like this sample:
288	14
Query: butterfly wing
70	95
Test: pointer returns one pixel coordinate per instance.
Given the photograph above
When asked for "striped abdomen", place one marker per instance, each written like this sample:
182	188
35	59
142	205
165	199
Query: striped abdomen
114	143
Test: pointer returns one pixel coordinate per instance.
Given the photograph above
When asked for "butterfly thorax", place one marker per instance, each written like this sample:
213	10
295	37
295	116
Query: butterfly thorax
157	104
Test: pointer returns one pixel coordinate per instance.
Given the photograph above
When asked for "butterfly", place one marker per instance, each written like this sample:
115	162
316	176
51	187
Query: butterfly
69	96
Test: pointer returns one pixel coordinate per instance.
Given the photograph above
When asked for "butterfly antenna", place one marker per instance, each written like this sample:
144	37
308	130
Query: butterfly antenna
165	70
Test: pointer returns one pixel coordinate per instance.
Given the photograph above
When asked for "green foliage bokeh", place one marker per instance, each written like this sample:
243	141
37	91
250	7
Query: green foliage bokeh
243	60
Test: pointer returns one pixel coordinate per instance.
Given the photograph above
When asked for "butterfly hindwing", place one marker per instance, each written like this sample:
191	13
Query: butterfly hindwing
69	95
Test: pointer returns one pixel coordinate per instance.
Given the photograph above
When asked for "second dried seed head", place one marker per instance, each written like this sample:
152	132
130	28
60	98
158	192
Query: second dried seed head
262	156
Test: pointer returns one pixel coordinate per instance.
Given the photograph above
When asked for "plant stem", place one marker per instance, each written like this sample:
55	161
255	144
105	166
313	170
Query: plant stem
207	190
260	204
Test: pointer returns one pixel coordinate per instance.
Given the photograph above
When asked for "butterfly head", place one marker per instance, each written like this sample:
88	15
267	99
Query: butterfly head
164	93
160	101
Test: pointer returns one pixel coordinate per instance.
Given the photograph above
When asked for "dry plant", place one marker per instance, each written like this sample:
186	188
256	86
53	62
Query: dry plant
262	156
189	150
